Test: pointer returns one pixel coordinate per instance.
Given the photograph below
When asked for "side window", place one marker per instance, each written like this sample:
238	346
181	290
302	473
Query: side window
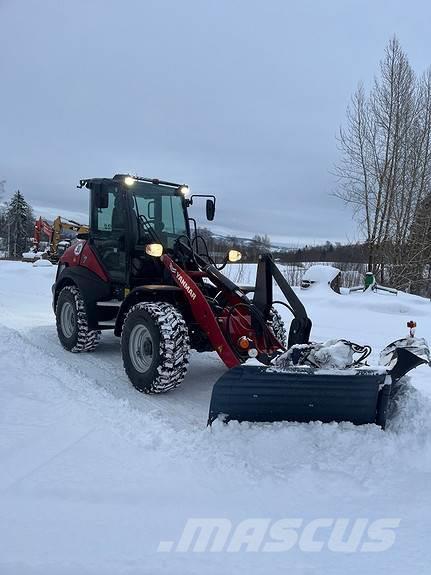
173	215
167	215
144	208
112	217
104	215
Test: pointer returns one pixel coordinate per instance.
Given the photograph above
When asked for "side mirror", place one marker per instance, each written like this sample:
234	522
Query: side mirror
210	210
101	198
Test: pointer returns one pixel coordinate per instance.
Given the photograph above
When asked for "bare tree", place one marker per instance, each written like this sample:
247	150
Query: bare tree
385	168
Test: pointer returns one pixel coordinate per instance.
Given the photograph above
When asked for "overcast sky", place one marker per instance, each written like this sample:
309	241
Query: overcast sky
242	99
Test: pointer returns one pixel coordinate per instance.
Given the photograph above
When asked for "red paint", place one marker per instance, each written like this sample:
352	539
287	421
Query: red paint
197	274
89	260
69	257
81	254
202	312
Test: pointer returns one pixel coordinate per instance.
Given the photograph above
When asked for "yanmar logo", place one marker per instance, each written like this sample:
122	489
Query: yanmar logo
182	281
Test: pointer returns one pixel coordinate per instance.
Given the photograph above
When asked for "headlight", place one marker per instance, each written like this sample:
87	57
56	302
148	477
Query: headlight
234	256
155	250
129	181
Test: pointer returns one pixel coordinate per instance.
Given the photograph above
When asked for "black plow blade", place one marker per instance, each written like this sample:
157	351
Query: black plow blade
254	393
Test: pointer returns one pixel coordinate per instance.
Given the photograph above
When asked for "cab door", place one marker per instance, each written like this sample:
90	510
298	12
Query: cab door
108	229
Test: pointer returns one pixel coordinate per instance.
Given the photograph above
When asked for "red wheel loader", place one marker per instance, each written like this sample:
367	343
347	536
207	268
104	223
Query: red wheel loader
142	272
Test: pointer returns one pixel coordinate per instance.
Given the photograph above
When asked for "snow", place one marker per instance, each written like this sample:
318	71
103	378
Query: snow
42	264
93	475
32	255
331	354
320	274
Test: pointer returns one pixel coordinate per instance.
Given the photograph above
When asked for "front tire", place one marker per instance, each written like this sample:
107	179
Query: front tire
155	346
276	325
72	322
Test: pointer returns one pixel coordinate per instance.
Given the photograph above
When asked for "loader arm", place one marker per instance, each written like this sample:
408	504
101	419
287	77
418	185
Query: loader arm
201	311
263	300
267	271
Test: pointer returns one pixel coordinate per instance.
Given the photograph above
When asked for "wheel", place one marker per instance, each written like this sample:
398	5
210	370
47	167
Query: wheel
155	346
276	325
72	324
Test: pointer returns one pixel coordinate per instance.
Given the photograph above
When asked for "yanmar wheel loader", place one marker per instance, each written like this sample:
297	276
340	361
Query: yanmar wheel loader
143	271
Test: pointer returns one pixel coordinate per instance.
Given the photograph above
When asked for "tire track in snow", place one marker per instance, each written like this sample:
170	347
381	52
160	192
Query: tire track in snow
105	369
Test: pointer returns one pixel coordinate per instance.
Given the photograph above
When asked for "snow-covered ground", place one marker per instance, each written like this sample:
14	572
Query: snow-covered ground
94	475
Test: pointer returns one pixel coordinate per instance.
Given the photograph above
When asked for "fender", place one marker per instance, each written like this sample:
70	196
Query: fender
142	293
81	254
91	286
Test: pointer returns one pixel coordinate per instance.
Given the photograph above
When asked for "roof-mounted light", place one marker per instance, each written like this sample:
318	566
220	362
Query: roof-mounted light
129	181
185	190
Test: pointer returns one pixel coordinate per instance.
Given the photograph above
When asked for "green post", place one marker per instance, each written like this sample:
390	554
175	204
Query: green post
369	280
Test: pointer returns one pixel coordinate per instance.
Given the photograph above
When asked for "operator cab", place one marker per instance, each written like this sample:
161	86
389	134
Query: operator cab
129	213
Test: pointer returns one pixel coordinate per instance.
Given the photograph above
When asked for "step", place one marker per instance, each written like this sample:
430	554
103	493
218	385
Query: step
109	303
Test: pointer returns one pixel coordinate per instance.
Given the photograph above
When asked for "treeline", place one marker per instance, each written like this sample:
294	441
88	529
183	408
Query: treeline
251	248
218	245
327	252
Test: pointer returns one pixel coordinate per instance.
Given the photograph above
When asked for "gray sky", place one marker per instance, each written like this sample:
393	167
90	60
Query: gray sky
242	99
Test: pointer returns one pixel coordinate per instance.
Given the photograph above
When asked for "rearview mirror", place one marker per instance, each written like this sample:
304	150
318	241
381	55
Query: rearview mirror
210	210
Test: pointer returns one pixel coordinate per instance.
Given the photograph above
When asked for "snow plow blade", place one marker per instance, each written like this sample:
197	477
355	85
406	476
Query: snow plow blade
264	394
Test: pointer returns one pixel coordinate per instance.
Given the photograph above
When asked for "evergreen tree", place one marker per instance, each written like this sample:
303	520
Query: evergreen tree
3	228
19	224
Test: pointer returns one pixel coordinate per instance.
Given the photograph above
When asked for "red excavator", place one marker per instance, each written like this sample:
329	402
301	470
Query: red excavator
143	271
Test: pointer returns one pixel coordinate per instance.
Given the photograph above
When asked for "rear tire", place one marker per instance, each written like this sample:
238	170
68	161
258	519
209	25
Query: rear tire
155	347
72	322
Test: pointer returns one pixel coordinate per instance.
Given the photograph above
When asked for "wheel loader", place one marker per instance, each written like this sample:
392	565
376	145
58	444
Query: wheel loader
143	271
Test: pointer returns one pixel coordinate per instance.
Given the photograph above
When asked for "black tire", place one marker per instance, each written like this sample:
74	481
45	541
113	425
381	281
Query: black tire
155	346
72	324
276	325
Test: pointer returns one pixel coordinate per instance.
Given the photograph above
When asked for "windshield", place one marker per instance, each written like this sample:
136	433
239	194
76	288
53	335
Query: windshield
160	213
